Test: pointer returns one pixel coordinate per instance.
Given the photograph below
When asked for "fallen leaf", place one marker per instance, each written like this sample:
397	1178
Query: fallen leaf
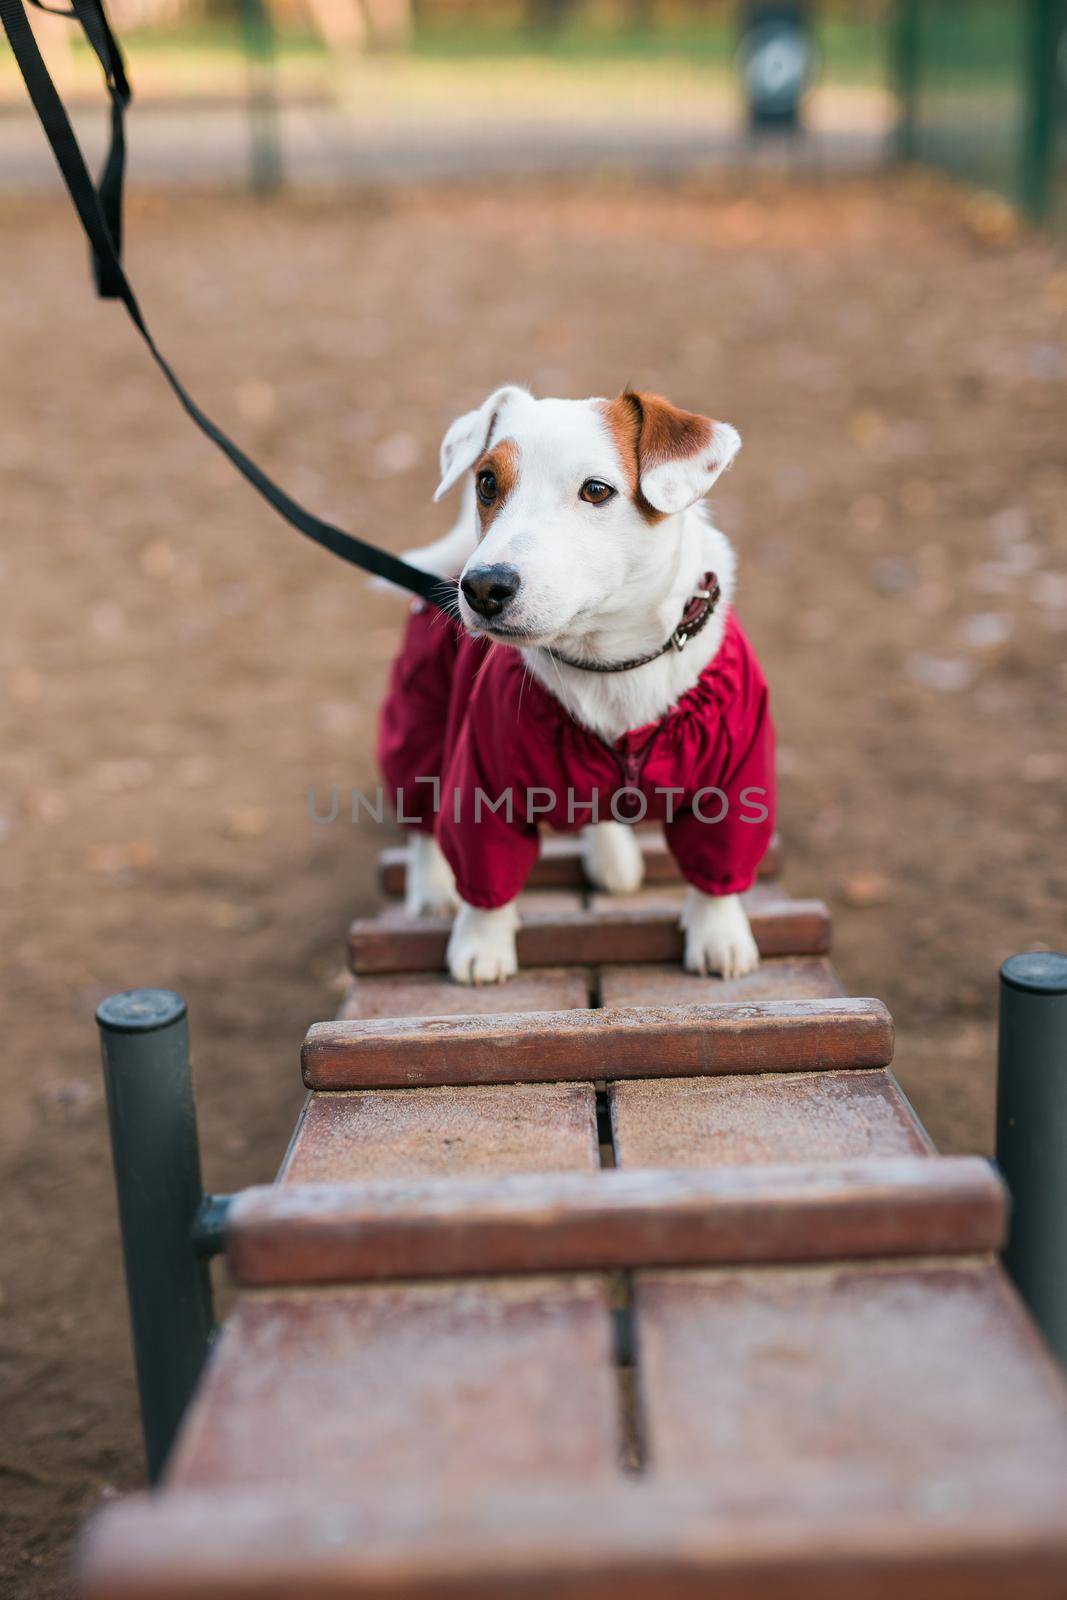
108	859
863	889
247	822
866	427
257	401
158	559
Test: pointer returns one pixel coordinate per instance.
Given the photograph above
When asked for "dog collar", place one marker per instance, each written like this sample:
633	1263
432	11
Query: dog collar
698	609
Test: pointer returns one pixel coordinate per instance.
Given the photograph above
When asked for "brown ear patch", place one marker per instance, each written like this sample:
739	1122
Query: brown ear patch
668	434
648	431
503	461
623	418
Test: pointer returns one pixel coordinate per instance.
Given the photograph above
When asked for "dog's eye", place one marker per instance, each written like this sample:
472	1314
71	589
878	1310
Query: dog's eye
595	491
487	489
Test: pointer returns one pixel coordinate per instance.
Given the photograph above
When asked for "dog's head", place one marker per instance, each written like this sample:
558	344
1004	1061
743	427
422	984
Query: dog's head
576	501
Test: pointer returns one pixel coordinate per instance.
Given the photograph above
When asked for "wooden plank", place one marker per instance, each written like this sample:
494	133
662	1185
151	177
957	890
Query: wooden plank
391	1384
670	898
648	1539
531	902
623	1042
432	994
416	1133
780	978
763	1121
853	1390
559	1222
559	865
592	938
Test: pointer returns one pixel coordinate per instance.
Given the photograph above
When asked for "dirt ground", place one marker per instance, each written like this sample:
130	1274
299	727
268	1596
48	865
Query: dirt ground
177	669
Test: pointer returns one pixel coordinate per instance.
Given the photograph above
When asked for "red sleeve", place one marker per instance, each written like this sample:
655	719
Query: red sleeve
414	714
722	856
483	828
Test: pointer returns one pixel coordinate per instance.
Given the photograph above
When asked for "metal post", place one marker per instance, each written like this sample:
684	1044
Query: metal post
258	29
145	1039
1032	1133
777	62
904	75
1046	23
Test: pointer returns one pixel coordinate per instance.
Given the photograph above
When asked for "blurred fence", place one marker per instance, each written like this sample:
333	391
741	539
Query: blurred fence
849	34
369	91
983	91
380	89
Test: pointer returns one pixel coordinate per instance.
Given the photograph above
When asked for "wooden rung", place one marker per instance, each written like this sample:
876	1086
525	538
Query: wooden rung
624	1042
559	866
627	1540
585	938
567	1222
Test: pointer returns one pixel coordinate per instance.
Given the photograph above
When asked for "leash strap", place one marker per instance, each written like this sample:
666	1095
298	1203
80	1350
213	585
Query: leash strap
99	210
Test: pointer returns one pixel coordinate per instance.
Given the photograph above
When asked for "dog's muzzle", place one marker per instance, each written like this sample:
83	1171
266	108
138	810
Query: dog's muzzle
487	590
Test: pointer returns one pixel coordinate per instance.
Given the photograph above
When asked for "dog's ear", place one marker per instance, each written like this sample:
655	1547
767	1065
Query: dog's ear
468	437
679	454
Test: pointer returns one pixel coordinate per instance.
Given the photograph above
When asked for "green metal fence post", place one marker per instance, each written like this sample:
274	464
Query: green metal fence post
145	1041
1032	1133
258	30
904	75
1045	21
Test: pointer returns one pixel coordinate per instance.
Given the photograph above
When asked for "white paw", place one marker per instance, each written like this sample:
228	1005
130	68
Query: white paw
430	887
481	947
718	938
612	857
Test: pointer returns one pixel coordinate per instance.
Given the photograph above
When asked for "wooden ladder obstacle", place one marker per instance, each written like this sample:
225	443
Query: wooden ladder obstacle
645	1287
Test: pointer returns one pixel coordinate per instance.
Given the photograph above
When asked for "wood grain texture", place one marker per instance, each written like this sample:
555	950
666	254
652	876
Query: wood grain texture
559	865
668	984
623	1042
670	898
416	1133
853	1390
766	1120
589	938
530	903
391	1384
433	994
651	1539
316	1234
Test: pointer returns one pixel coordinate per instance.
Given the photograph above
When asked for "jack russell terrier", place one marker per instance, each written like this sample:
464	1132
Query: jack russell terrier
599	678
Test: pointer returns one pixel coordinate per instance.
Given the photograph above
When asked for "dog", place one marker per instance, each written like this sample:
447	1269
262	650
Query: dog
594	674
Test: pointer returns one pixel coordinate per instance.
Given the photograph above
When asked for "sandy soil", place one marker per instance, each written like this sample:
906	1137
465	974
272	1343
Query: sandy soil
176	669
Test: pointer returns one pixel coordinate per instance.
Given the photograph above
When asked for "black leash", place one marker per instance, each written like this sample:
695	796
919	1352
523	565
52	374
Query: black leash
99	209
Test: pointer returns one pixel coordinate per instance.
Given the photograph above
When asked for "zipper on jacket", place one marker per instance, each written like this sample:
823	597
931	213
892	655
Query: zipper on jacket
631	765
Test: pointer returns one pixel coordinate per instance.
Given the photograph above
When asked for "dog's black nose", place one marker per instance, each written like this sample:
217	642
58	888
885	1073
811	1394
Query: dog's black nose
488	590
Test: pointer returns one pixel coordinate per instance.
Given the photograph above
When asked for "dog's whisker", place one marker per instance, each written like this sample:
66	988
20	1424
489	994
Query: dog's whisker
523	681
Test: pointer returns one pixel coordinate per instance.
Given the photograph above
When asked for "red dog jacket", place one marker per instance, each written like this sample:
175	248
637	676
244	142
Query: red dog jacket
477	752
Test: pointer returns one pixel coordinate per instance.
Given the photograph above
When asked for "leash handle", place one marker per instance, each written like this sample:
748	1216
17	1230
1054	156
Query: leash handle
100	212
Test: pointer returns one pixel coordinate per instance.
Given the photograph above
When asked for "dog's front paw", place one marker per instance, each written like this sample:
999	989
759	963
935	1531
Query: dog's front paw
718	939
430	888
481	947
612	857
